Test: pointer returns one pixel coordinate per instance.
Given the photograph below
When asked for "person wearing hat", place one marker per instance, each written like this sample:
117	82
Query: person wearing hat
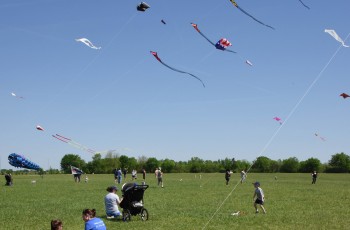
260	198
112	202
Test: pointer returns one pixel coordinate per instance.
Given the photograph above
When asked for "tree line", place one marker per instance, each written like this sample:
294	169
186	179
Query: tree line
339	163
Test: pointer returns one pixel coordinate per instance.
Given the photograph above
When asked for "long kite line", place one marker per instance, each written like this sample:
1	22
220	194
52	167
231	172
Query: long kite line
280	127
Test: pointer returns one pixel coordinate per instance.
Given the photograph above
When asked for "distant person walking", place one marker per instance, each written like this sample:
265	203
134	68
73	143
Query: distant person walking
160	178
125	171
260	198
314	177
144	174
227	176
134	174
243	176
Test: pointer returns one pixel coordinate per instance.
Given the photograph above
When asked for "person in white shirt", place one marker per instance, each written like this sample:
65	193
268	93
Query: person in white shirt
112	202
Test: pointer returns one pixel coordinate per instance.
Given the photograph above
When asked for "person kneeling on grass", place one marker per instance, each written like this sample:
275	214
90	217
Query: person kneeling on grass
112	202
259	194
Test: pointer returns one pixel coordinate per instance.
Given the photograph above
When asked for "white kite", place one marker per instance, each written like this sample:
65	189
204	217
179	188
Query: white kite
336	36
88	43
14	95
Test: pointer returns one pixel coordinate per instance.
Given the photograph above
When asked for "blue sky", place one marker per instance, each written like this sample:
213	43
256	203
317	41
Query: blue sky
120	97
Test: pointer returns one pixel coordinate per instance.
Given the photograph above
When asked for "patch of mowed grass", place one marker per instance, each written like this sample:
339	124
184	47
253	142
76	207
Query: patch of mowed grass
185	202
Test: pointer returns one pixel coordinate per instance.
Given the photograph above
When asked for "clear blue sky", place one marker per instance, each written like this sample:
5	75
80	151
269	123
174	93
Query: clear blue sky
120	97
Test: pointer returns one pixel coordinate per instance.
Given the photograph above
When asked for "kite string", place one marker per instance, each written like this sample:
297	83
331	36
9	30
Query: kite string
280	127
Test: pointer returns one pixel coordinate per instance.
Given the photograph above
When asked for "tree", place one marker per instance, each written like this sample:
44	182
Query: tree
290	165
124	161
151	164
71	159
339	162
196	164
262	164
310	165
168	165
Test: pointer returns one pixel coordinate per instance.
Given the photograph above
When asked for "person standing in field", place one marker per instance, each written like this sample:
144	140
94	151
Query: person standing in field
124	172
260	198
156	173
134	174
243	176
112	202
227	176
91	221
314	177
144	174
56	225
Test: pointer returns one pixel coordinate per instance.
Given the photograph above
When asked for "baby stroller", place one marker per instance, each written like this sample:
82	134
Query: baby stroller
132	203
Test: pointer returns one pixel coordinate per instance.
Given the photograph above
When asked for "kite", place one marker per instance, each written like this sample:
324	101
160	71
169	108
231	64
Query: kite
88	43
238	7
163	22
336	37
249	63
180	71
14	95
20	161
322	138
38	127
278	119
344	95
222	44
75	170
142	6
73	143
304	4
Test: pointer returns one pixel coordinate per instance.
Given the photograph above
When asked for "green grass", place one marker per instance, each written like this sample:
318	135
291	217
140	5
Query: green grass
291	202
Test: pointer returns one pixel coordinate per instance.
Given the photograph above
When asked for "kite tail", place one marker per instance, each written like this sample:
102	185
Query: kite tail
180	71
254	18
206	38
304	4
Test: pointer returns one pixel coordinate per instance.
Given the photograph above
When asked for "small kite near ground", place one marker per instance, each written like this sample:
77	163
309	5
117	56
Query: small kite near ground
336	37
304	4
279	120
142	6
180	71
38	127
344	95
88	43
245	12
222	44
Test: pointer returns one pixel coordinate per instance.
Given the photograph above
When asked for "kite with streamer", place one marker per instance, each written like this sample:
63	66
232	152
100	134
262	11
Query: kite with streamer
344	95
180	71
279	120
88	43
14	95
304	4
142	6
20	161
73	143
75	170
222	44
321	138
245	12
248	63
336	37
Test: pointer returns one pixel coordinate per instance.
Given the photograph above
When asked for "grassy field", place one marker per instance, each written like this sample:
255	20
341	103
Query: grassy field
185	202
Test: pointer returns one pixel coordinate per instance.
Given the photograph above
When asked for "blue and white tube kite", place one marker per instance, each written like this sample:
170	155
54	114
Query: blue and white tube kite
20	161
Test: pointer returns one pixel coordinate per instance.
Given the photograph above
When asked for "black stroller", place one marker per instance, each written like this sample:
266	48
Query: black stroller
132	203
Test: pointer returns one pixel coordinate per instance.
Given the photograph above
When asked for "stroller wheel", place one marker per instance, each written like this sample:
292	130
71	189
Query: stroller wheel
144	214
126	215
